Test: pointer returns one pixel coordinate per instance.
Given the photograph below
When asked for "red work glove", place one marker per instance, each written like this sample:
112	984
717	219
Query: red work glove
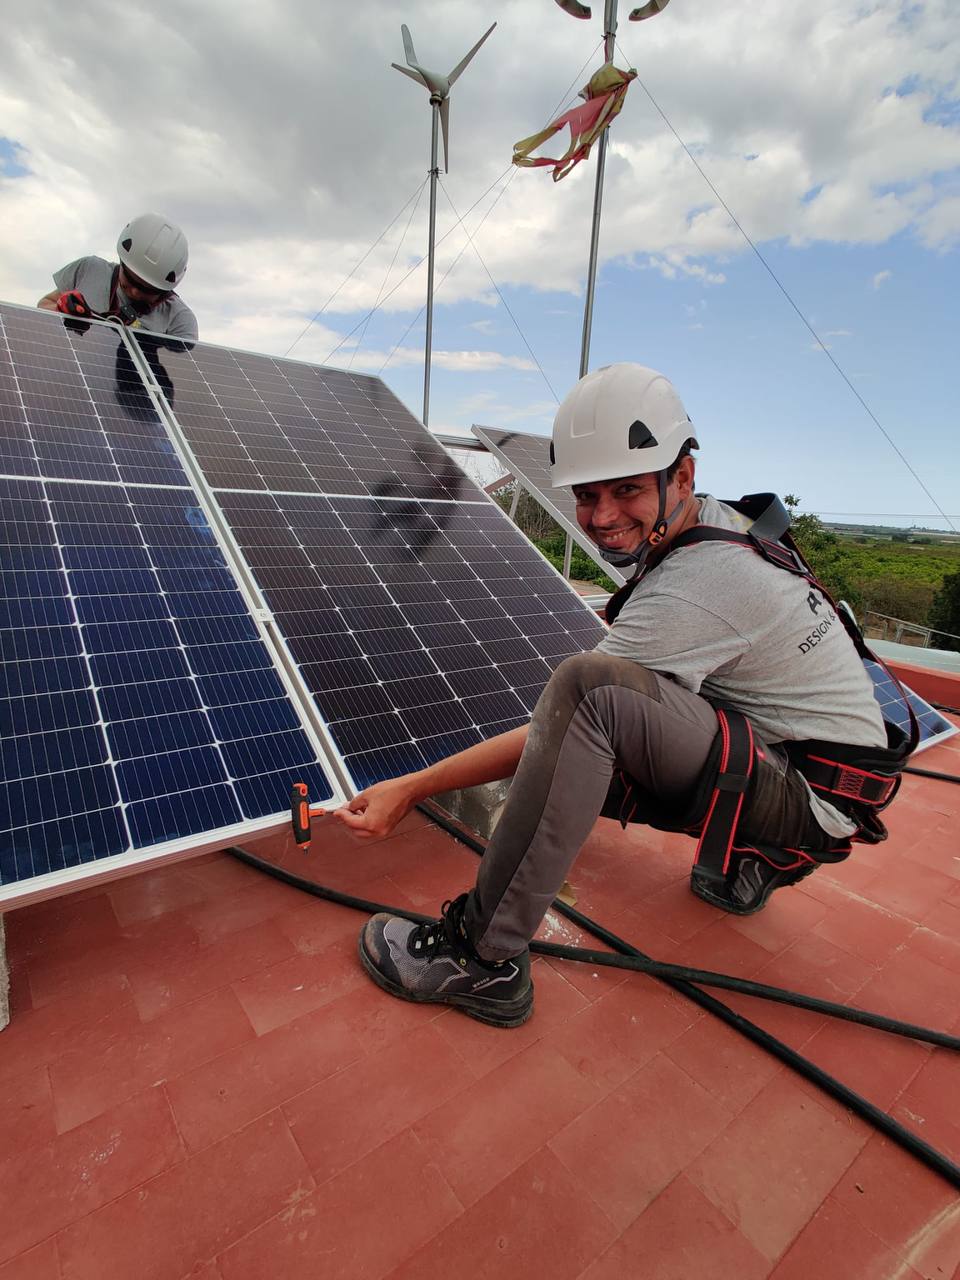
73	303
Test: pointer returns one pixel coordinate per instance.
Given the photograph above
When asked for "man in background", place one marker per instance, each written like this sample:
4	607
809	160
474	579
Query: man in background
139	290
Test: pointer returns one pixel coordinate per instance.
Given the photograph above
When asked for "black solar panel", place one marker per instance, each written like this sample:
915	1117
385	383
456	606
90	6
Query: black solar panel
527	457
420	628
421	619
138	703
255	422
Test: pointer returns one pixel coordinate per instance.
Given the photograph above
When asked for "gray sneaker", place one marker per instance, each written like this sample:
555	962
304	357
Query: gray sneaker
435	964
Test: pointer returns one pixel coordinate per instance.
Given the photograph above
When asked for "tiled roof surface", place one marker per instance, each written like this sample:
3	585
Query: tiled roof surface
200	1080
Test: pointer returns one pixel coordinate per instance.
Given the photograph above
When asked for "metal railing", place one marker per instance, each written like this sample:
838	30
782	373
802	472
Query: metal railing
880	626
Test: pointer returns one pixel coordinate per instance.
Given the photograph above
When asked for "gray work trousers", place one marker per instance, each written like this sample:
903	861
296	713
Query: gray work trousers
596	716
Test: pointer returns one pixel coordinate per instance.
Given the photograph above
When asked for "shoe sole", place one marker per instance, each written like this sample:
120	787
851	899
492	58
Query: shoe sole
505	1013
726	905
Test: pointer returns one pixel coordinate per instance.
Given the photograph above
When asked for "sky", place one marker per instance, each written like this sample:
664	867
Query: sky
277	135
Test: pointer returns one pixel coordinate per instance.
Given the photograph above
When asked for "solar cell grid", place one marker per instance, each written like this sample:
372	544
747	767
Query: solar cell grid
138	703
255	422
409	670
933	726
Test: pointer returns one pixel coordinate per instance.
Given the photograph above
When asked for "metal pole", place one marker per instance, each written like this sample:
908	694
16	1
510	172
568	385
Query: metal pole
431	235
609	44
567	554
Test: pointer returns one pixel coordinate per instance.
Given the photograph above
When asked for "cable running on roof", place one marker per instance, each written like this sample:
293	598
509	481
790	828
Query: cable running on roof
386	277
346	280
783	289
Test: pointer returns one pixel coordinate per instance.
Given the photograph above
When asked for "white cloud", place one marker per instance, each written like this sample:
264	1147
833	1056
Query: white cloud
283	172
880	278
459	361
824	345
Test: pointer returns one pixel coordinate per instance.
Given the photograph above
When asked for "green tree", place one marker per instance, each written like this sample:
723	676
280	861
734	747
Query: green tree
945	613
823	551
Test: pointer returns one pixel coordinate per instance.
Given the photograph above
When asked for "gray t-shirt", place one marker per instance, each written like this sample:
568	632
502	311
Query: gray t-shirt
726	624
93	276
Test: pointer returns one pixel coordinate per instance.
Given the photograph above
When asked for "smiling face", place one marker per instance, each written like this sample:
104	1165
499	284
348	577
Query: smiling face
619	515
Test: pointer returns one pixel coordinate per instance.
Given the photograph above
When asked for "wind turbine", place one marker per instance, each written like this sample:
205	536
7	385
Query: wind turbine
578	10
439	88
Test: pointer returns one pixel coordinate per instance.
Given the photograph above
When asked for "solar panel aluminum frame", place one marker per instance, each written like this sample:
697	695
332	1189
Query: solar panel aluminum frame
311	721
130	862
53	884
569	527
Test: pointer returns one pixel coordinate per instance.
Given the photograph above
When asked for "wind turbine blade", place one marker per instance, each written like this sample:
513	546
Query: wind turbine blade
649	10
408	49
463	61
575	8
445	130
414	75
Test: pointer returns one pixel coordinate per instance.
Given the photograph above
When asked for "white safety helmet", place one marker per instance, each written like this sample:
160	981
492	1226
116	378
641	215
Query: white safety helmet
154	250
622	420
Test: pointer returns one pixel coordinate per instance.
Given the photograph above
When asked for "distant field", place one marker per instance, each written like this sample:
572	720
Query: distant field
915	562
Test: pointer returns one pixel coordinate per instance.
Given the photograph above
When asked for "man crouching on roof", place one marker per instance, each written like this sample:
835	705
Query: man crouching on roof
637	729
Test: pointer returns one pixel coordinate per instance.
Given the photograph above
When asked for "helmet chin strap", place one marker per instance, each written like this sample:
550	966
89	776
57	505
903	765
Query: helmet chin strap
661	527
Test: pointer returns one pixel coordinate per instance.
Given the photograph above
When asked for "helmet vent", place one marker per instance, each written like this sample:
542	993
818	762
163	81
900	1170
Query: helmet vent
553	456
171	277
127	244
641	437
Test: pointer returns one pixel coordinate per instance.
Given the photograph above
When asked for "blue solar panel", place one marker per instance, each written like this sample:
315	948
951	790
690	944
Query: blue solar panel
138	702
421	620
933	726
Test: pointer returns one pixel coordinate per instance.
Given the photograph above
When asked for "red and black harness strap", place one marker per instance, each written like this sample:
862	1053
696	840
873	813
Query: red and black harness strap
734	771
839	780
859	781
769	536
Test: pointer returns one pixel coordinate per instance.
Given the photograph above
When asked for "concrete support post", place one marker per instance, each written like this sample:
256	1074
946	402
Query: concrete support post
4	980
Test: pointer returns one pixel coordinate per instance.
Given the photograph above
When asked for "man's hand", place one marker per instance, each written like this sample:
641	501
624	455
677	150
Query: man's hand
73	303
375	812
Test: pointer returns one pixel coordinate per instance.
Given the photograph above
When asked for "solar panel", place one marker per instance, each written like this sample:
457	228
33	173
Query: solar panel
421	620
140	710
528	458
934	727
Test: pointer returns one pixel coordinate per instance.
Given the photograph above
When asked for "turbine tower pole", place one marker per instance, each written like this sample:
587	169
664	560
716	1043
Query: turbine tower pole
609	45
431	252
439	87
577	9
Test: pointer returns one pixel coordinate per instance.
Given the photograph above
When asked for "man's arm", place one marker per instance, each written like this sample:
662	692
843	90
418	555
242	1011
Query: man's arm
49	300
376	811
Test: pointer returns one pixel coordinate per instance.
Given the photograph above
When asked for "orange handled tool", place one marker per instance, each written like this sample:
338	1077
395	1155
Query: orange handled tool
300	813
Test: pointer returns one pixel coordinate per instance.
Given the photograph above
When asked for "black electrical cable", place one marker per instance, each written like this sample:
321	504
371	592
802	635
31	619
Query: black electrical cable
640	964
931	773
803	1066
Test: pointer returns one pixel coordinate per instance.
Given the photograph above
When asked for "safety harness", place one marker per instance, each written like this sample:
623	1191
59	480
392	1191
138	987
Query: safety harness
859	781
